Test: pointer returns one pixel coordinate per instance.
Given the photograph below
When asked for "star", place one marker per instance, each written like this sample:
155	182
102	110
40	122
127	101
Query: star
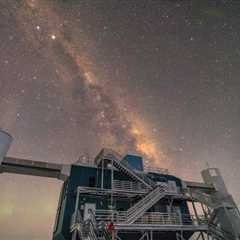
53	37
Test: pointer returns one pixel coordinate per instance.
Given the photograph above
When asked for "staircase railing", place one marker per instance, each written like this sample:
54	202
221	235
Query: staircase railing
134	212
142	202
77	224
143	205
130	186
92	230
106	234
219	233
123	165
153	218
96	230
141	175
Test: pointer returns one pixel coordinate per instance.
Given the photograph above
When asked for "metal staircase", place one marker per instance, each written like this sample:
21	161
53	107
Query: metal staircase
123	166
156	193
137	210
219	234
215	215
87	230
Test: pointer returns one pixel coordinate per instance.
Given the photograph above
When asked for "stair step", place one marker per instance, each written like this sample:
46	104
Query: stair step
143	205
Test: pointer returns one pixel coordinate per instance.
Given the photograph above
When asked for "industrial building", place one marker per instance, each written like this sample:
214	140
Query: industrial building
117	197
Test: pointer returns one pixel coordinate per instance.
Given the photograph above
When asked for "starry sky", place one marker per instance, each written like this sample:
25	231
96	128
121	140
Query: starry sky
154	78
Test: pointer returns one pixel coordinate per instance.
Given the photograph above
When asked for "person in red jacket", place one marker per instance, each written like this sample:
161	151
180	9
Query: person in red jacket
111	230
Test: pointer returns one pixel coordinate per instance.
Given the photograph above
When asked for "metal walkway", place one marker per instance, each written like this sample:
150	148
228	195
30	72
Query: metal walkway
29	167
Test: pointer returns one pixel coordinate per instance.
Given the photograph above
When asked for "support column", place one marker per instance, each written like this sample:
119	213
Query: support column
74	234
196	214
204	211
76	205
151	235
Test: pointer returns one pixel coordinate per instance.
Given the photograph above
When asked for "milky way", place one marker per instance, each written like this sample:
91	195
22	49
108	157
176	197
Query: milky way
155	78
82	91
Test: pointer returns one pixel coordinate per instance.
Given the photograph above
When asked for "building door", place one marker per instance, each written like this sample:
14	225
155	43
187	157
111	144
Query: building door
88	207
172	186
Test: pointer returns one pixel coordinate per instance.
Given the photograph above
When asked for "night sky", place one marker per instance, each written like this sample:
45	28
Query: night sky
154	78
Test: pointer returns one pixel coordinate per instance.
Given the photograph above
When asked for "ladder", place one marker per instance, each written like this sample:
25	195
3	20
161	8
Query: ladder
137	210
124	166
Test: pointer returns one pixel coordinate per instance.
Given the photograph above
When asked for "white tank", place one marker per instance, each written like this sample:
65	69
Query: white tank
5	142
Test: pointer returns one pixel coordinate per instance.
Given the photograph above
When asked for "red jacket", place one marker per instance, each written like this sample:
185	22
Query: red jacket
110	227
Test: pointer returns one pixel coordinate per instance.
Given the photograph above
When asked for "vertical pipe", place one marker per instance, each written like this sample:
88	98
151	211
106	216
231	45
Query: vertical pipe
97	182
151	235
196	214
102	174
112	175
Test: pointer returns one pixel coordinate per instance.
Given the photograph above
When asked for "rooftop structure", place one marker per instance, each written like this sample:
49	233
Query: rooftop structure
117	198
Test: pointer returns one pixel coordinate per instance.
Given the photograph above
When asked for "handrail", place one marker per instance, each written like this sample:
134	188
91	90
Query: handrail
107	152
119	162
106	235
160	218
147	199
94	227
169	219
156	170
76	221
142	176
214	229
92	230
77	224
126	185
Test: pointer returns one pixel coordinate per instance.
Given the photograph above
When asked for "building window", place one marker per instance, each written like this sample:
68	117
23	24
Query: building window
92	182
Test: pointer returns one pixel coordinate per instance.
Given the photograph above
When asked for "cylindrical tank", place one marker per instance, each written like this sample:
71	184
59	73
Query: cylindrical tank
5	142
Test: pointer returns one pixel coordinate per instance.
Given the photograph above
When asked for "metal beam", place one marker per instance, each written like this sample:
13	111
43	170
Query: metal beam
33	168
199	185
157	227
